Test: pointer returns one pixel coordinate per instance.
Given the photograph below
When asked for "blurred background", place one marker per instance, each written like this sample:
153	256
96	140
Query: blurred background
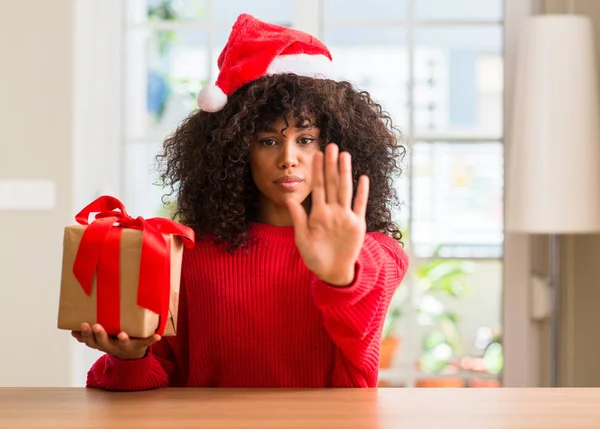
91	88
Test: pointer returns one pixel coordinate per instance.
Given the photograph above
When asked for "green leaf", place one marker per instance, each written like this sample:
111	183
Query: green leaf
433	339
494	358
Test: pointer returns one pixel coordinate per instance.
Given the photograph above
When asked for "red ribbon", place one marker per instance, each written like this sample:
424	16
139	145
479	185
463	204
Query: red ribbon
99	252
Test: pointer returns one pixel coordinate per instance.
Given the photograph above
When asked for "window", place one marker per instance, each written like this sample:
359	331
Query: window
437	67
171	51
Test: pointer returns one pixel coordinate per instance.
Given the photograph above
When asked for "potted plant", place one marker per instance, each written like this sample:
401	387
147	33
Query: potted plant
433	279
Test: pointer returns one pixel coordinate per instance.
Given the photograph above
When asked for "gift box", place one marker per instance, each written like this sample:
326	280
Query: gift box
122	272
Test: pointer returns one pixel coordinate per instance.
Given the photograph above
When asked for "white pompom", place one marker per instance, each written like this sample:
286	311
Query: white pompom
211	98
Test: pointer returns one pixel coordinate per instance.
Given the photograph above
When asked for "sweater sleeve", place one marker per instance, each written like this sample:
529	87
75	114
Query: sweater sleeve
151	372
354	315
165	363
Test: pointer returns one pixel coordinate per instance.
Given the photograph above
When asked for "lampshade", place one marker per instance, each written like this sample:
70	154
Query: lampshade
553	175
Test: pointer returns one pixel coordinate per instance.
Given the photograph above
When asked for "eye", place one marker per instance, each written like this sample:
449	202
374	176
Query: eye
306	140
268	142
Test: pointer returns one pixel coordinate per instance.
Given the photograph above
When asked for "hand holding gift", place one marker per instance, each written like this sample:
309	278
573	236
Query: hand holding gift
121	347
122	274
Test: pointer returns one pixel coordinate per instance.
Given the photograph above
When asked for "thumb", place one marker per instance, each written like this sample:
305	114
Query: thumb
299	217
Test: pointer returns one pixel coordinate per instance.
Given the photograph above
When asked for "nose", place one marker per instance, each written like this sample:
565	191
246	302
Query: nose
288	156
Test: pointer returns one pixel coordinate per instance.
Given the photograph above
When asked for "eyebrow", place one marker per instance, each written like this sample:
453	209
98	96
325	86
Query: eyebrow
301	127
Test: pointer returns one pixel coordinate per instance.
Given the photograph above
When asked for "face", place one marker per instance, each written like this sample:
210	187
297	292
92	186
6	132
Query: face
281	165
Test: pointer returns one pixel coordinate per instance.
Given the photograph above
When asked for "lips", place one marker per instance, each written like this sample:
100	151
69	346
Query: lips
288	183
289	179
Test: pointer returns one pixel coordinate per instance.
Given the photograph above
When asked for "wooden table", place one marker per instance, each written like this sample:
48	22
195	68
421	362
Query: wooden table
307	409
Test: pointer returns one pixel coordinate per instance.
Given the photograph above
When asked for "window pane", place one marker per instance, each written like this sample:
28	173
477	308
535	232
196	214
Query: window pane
177	9
223	12
374	59
459	80
165	71
142	192
457	199
460	9
401	186
359	10
276	12
166	10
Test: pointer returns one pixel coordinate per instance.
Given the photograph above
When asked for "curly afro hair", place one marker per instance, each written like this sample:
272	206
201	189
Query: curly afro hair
205	162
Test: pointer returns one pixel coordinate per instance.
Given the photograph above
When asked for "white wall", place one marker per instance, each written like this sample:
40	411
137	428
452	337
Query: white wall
36	142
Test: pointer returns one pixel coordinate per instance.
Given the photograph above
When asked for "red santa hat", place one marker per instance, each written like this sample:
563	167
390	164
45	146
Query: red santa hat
257	49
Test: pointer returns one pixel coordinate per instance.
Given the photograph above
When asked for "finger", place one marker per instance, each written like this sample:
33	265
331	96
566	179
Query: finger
362	196
124	340
88	336
130	347
147	342
318	183
332	176
102	339
299	217
77	335
345	189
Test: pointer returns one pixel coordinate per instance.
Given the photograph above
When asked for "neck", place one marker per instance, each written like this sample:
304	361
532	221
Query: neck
276	215
272	214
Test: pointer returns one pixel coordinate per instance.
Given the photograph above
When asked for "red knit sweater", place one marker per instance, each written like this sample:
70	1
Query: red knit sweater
262	319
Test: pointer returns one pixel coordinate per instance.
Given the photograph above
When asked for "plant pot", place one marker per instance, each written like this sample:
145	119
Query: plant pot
446	382
389	346
484	383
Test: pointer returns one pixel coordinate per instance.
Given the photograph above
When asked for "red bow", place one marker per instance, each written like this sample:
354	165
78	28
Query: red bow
99	252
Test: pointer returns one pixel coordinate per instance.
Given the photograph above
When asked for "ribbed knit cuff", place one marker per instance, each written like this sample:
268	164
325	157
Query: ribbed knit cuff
112	373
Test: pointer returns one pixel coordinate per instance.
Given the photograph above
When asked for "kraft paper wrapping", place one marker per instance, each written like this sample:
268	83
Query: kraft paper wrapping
75	307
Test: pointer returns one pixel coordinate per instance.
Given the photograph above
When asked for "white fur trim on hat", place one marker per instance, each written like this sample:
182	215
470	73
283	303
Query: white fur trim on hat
211	98
303	65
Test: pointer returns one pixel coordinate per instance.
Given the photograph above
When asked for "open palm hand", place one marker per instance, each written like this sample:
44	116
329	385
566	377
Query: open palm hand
331	236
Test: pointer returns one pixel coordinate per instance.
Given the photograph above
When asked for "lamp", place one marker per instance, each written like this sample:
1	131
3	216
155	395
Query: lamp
553	183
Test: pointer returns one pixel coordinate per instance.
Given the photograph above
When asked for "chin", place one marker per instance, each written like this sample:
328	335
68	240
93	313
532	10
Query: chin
282	200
